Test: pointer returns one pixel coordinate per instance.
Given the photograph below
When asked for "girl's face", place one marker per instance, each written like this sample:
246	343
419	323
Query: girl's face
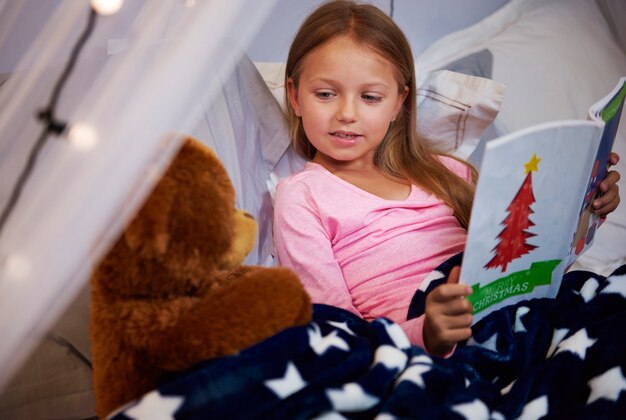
347	96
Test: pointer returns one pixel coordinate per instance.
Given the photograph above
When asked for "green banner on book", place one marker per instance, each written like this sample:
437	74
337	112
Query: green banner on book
518	283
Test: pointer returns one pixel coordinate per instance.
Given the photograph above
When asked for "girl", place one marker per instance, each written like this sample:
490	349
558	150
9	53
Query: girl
375	209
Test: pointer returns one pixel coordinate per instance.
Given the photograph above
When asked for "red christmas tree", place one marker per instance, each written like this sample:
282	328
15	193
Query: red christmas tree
512	240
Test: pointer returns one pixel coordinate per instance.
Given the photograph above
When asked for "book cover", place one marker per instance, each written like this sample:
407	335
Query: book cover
531	214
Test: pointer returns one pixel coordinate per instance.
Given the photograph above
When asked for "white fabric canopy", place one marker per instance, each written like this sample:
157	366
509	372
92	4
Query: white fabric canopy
143	75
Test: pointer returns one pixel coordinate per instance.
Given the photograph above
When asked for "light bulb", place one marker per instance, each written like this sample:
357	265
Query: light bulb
83	136
16	266
106	7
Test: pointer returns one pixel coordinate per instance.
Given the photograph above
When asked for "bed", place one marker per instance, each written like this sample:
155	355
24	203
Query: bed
550	71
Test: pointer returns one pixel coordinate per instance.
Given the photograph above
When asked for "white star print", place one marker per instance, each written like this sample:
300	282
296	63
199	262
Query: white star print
617	284
489	344
342	326
472	410
422	358
155	406
289	384
320	344
557	337
577	344
330	415
432	276
535	409
589	289
351	397
414	373
391	357
496	415
519	325
608	385
396	334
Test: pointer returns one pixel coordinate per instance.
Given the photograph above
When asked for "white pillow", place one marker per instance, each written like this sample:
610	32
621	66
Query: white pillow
556	59
274	76
453	111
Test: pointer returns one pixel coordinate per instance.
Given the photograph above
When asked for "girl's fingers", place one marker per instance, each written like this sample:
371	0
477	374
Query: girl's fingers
607	203
455	273
456	307
611	179
605	198
456	335
459	321
448	291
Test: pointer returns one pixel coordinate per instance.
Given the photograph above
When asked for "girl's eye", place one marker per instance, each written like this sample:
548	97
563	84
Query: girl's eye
324	95
371	98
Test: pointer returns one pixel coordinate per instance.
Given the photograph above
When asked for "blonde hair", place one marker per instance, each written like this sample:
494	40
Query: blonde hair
403	152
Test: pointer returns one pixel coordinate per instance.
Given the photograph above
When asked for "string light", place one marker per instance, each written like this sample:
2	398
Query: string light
83	136
16	267
107	7
51	124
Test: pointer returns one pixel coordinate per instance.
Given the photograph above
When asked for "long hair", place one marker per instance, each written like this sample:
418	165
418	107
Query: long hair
403	152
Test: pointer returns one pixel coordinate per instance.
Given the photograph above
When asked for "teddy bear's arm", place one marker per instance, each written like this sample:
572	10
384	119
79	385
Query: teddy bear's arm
252	305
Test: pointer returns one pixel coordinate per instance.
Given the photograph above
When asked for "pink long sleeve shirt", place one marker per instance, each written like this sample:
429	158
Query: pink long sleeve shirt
358	251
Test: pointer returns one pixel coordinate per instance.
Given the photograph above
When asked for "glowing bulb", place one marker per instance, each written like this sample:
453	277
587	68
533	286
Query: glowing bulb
83	136
107	7
16	266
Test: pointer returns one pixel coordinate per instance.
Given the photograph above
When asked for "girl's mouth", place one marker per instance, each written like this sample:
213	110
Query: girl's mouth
345	135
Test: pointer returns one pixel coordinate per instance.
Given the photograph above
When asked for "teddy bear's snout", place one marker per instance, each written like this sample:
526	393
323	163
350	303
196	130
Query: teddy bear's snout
244	237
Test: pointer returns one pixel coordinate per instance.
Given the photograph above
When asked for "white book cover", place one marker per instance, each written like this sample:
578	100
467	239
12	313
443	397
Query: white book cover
531	217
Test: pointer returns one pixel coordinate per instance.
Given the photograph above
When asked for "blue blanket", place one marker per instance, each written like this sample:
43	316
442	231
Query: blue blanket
561	358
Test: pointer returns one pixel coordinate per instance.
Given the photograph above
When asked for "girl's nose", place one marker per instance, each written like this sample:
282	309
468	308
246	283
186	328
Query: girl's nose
346	111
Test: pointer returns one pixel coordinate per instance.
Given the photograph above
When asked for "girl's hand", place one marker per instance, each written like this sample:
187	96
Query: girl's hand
608	198
448	315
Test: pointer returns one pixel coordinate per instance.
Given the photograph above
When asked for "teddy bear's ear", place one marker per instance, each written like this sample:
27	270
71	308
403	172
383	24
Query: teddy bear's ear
148	233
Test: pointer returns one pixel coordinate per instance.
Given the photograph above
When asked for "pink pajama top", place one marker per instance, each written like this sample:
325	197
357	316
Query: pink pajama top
358	251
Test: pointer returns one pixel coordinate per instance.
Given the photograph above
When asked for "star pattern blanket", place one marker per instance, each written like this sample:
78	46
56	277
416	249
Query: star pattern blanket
561	358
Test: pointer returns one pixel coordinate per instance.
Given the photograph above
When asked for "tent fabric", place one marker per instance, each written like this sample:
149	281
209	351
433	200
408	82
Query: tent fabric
135	102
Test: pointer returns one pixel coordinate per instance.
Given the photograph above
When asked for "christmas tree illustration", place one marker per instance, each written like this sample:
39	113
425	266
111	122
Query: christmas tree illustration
512	240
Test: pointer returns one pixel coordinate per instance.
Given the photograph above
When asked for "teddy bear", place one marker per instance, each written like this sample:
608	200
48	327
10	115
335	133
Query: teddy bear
172	291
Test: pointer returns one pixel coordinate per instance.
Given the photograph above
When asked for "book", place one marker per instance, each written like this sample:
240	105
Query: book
531	216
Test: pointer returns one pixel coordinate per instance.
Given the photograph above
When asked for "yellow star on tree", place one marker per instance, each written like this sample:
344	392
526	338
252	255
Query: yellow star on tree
531	165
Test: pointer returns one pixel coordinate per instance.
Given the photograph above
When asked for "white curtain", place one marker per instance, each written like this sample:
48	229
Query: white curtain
140	79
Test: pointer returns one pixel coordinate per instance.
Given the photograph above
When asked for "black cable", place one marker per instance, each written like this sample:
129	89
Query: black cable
391	8
52	125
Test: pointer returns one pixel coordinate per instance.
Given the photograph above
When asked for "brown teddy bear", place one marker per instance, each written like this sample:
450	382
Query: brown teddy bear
171	291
